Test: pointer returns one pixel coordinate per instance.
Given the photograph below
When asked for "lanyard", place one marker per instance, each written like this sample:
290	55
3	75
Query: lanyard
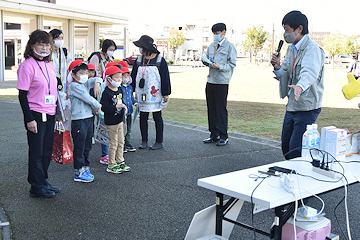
144	69
292	69
47	79
218	44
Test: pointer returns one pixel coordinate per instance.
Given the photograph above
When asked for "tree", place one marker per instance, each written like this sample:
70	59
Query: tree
176	39
338	43
101	40
255	39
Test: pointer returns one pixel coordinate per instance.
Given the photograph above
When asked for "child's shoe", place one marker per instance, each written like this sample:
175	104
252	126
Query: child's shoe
130	147
104	160
124	167
83	177
114	169
87	172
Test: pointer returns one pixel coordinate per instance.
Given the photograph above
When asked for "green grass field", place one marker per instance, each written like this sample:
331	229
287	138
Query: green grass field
257	119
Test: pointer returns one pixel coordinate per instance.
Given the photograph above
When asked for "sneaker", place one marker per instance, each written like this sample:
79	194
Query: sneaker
114	169
83	177
143	145
125	150
87	173
124	167
130	148
156	146
104	160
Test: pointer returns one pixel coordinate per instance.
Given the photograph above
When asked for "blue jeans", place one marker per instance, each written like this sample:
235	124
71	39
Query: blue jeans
294	127
104	150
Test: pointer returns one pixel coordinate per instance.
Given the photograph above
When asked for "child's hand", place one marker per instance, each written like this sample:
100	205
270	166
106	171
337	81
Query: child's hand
97	90
98	111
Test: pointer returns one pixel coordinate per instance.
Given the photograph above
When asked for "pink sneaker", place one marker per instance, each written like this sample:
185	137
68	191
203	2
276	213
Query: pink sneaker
104	160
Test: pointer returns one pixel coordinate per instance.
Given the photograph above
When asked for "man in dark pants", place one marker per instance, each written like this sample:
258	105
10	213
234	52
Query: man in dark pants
222	55
301	79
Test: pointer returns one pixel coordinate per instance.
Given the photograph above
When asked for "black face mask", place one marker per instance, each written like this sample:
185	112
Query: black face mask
142	83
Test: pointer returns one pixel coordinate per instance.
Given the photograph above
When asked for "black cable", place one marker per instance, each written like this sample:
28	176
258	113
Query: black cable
253	206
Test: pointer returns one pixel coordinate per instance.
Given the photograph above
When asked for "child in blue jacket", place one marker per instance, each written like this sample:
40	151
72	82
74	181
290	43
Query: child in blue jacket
129	101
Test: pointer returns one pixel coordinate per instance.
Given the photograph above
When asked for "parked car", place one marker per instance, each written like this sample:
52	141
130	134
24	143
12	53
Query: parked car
130	60
264	58
79	56
342	59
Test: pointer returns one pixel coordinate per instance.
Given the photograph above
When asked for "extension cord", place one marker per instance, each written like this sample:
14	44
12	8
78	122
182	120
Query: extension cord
327	173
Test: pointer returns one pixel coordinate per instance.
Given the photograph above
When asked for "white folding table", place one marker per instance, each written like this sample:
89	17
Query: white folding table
270	194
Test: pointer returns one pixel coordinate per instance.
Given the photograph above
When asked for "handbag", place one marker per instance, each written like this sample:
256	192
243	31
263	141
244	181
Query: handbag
62	147
100	133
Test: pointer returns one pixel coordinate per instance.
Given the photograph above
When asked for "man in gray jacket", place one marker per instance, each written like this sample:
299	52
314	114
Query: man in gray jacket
301	79
222	55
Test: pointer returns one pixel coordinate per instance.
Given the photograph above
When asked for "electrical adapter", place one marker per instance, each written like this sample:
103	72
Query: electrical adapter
289	181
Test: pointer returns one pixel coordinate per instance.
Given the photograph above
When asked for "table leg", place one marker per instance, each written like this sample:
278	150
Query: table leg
282	214
219	213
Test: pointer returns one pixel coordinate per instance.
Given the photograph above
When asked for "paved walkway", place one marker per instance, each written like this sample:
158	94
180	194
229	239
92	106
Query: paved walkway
156	200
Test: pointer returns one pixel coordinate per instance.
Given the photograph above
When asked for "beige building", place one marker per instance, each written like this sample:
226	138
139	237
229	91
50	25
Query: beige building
82	29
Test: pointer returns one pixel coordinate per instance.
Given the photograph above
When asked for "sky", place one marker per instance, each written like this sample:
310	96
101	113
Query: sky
323	15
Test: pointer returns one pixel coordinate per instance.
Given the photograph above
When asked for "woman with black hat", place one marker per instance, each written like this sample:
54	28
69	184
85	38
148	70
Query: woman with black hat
152	88
60	58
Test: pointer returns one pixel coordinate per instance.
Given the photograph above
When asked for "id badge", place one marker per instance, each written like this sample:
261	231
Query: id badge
49	99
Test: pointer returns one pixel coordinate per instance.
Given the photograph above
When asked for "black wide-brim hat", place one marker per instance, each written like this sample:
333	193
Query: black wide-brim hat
146	42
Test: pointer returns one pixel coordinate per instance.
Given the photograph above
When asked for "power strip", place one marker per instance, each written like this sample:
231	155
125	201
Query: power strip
327	173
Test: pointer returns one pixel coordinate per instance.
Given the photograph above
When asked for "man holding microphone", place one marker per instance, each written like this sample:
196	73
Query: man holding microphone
301	79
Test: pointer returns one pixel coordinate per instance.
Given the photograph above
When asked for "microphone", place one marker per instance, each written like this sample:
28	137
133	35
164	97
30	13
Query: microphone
279	48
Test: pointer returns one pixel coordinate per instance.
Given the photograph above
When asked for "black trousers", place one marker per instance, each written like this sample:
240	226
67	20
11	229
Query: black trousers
40	148
216	101
159	126
82	132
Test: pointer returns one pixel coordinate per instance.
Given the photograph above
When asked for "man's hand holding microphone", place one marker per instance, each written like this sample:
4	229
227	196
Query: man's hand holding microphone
275	59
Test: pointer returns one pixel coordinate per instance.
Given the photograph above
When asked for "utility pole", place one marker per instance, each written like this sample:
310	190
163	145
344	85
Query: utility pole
273	39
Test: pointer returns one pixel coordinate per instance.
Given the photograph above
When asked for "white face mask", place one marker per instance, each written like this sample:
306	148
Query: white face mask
83	79
141	50
115	84
58	43
41	54
110	53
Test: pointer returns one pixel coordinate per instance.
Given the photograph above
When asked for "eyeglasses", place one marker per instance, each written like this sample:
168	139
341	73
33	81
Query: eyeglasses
42	45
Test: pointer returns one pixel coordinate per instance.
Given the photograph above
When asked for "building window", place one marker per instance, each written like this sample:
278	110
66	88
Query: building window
205	29
12	26
166	29
205	39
